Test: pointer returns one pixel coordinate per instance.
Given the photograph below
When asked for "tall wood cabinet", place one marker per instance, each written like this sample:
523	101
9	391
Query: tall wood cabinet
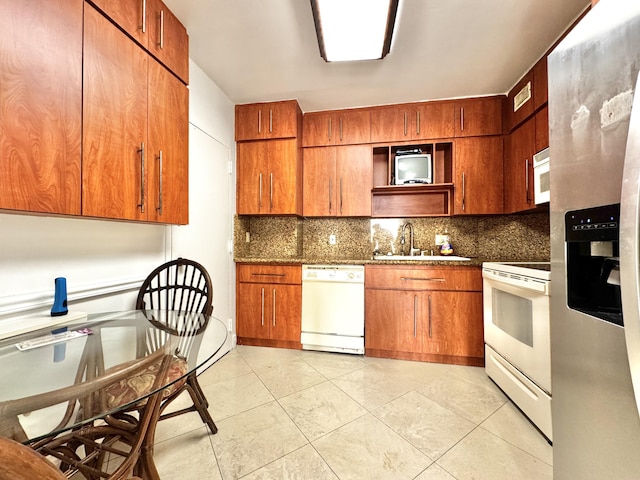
135	130
269	159
337	181
41	99
424	313
518	168
269	304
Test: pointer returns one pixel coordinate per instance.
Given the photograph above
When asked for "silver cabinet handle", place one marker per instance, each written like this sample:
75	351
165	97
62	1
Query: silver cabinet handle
415	316
262	311
159	207
330	194
462	119
260	192
418	279
418	122
463	191
161	29
270	191
273	309
144	16
429	316
330	129
340	195
405	124
526	172
259	121
142	187
341	129
270	121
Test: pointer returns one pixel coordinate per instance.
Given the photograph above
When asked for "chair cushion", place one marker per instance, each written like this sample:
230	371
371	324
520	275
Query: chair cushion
129	389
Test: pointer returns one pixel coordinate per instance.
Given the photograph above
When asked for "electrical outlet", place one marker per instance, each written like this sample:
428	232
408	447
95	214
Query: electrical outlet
247	237
332	239
230	324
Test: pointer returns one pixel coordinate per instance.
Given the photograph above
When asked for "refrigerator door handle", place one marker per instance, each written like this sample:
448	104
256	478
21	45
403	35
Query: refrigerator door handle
629	244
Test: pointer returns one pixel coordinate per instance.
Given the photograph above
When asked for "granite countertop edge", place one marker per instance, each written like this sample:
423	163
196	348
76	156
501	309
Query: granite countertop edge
474	262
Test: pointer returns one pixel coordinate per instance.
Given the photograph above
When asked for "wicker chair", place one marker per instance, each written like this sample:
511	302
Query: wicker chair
180	285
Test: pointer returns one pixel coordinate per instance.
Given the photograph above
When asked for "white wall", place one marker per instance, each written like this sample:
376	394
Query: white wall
105	262
208	236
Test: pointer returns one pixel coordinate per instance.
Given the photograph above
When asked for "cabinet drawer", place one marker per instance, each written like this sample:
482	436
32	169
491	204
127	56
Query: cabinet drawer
423	278
265	273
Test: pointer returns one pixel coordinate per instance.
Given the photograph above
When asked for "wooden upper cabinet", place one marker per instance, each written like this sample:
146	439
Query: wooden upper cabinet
540	83
168	39
261	121
338	127
518	168
414	121
478	116
115	163
337	181
152	24
41	98
269	178
478	175
130	15
542	129
168	147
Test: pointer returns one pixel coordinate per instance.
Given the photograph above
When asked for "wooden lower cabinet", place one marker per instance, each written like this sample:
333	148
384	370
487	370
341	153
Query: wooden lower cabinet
406	318
268	305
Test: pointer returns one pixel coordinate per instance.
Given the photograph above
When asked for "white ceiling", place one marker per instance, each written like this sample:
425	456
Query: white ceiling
263	50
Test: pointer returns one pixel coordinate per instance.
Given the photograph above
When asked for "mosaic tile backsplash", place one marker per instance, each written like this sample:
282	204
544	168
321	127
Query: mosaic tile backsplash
501	238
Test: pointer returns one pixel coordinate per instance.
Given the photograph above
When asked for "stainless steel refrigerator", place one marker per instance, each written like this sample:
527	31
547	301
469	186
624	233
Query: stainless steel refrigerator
595	323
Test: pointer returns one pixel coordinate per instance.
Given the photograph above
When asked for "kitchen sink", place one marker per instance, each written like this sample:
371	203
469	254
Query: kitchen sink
423	258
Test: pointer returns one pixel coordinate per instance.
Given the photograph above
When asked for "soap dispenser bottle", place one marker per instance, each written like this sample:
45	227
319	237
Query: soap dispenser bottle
446	248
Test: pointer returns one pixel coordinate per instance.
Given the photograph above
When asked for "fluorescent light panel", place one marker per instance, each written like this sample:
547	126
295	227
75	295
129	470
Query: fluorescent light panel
354	29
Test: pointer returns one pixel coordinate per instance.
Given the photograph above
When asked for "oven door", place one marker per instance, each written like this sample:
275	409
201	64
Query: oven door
516	325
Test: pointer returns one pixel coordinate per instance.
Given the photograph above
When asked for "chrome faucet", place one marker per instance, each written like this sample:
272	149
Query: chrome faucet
412	251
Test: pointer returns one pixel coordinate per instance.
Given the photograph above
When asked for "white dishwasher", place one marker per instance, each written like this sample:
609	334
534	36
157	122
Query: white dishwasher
333	308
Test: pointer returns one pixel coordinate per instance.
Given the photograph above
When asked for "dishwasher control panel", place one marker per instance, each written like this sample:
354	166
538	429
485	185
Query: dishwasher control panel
333	273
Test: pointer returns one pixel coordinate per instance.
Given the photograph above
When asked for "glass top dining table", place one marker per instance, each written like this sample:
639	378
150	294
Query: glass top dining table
60	387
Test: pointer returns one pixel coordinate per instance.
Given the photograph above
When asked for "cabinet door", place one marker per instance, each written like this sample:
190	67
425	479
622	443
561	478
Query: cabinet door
478	116
253	310
434	120
168	147
251	171
249	122
114	122
130	15
525	110
319	182
453	324
518	169
283	184
540	83
353	127
168	39
542	129
318	129
258	121
354	180
390	123
286	312
41	99
392	320
478	175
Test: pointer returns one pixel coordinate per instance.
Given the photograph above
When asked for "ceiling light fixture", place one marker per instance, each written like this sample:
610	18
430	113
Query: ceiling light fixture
354	29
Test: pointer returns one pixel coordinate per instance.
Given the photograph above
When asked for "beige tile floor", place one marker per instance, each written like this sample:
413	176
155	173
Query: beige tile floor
289	414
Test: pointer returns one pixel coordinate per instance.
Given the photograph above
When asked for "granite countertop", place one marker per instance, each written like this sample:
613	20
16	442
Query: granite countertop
474	262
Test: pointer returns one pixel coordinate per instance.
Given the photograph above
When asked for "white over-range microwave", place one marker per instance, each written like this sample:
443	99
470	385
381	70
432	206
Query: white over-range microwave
541	177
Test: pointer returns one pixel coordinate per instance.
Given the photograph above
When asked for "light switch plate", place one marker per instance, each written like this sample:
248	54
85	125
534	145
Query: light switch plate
332	239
